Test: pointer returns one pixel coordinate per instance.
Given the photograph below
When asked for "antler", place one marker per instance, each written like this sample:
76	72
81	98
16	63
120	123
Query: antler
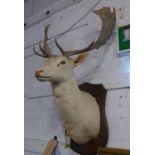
108	20
45	49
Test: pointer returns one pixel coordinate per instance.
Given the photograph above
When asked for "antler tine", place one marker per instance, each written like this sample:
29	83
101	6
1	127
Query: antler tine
46	39
43	50
34	50
46	31
59	47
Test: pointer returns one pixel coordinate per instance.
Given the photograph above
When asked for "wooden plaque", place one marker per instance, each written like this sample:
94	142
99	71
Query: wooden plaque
91	147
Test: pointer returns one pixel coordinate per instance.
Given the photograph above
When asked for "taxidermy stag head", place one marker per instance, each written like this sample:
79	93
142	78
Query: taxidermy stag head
78	109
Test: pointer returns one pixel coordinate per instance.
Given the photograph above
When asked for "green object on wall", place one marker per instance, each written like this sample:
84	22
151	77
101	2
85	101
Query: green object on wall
124	39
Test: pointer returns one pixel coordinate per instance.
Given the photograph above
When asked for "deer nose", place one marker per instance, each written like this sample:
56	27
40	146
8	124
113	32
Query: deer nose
37	73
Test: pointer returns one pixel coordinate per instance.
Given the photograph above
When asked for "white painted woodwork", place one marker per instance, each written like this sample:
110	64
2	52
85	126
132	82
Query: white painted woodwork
31	153
28	8
42	121
33	7
118	115
39	8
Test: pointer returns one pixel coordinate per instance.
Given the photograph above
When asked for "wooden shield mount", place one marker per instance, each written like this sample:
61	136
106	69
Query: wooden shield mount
90	148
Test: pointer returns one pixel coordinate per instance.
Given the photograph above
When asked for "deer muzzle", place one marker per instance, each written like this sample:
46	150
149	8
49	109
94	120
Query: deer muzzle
37	73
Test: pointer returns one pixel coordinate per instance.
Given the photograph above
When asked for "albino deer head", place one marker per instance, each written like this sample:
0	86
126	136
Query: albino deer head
57	68
70	99
60	68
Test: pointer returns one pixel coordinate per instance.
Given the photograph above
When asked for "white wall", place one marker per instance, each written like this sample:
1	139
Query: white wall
33	7
41	117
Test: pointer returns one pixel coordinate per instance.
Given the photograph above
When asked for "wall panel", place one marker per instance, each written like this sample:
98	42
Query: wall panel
42	120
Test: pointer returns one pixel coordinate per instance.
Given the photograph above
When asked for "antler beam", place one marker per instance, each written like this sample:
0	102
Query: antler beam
69	53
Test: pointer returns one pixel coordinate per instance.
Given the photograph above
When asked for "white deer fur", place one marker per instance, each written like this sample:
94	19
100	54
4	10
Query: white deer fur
78	109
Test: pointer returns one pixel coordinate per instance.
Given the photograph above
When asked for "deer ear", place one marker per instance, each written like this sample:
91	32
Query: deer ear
80	58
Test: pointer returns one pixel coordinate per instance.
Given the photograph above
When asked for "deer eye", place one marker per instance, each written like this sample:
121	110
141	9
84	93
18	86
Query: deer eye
61	63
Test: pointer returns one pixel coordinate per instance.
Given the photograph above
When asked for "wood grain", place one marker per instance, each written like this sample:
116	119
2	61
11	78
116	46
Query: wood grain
112	151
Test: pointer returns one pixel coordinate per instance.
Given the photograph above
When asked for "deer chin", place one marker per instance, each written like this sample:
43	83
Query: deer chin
44	78
49	78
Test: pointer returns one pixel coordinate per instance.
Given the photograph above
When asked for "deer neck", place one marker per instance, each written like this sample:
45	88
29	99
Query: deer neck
65	88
